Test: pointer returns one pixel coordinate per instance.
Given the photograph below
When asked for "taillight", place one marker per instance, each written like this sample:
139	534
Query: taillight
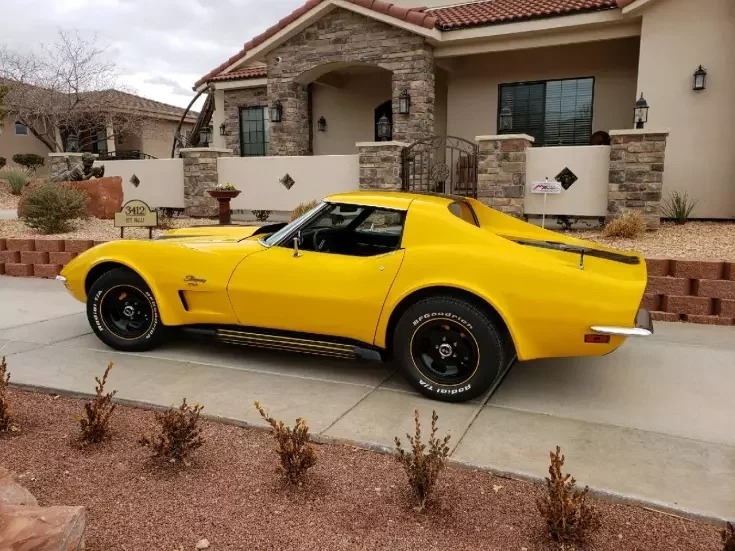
596	338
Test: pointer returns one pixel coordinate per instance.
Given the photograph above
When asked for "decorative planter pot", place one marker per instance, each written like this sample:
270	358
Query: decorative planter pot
224	196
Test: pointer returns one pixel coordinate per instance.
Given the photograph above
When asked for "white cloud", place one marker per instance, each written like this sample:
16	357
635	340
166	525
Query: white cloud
161	47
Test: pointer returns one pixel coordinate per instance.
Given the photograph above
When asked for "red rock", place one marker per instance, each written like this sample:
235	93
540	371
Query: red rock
27	528
104	196
12	493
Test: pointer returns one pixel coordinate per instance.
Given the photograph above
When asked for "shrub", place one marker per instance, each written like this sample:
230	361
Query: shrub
50	207
95	428
295	450
568	517
628	225
678	207
180	433
261	215
31	161
17	180
6	417
3	162
423	468
303	208
165	218
728	538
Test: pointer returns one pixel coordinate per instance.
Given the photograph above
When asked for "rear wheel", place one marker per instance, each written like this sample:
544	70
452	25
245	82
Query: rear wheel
449	349
123	313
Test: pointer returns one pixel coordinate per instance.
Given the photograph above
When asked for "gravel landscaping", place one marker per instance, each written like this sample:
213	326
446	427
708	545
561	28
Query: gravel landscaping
232	496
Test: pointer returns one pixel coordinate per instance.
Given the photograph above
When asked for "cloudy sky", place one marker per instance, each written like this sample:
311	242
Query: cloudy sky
161	47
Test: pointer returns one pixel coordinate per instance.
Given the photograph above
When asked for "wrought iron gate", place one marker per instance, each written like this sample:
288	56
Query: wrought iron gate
441	164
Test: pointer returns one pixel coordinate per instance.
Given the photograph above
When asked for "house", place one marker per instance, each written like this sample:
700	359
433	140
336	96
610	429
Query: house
146	128
337	73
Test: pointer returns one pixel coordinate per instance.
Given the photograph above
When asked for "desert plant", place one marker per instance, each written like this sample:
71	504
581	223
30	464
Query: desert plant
30	161
628	225
50	207
423	468
678	207
165	218
3	161
6	418
95	427
294	448
728	538
180	433
261	215
303	208
568	517
17	180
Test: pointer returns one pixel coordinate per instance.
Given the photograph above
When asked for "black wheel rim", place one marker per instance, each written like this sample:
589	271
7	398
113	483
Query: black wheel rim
445	352
126	312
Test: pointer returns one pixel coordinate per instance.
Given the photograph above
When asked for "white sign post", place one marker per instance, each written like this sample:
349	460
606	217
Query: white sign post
546	188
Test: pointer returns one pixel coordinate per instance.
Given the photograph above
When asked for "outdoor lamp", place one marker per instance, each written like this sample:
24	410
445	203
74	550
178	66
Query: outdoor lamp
205	135
404	103
506	119
384	128
72	143
640	112
322	125
276	112
700	78
222	130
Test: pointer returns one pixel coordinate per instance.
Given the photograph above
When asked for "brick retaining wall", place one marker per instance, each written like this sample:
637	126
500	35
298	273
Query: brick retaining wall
678	290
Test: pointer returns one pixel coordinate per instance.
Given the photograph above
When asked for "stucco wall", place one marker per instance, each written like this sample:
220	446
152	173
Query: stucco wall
157	138
11	143
161	180
678	36
473	87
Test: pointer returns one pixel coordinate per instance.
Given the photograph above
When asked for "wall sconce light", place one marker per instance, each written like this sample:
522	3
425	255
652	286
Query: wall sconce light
322	124
700	79
277	112
205	135
640	112
506	119
222	130
404	103
72	143
384	128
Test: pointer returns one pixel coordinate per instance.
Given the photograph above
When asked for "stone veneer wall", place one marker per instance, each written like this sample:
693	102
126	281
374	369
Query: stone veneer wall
234	100
637	173
501	171
57	161
200	174
343	36
380	164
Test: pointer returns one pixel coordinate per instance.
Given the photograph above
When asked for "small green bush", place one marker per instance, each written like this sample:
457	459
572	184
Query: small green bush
17	180
180	433
261	215
50	207
678	207
31	161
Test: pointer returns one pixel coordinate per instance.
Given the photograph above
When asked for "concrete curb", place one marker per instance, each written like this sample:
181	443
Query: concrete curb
605	494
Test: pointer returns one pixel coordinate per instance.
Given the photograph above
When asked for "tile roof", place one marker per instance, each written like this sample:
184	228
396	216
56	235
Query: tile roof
250	72
492	12
446	18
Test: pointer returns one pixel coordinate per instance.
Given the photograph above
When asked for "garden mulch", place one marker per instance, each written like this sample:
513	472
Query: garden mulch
232	495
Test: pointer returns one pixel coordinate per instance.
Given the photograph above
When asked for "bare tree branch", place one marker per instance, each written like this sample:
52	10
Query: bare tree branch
69	85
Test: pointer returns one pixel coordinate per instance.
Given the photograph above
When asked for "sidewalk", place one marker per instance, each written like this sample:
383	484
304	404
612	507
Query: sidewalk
651	422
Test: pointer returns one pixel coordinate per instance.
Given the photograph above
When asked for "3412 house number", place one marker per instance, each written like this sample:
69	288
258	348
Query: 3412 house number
137	210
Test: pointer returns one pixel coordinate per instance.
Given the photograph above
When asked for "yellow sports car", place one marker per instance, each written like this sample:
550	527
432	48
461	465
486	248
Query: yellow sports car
450	289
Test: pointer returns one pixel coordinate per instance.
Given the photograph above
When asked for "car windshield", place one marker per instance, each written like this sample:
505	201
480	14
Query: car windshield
274	238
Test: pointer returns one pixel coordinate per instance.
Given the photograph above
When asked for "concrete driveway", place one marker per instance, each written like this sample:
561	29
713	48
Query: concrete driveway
651	422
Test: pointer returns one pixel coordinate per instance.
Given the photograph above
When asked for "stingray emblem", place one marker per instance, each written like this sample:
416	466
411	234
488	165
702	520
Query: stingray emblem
193	280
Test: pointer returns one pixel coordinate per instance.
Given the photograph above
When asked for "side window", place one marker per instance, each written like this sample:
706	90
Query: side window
382	221
464	211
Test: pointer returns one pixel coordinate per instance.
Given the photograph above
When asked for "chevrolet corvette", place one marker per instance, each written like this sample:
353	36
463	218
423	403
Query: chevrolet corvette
447	288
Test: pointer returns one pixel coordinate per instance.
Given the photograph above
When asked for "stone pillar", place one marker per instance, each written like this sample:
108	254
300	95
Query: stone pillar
291	135
200	174
501	171
637	173
57	161
380	164
419	78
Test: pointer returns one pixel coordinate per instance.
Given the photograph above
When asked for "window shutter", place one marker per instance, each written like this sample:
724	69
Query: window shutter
568	112
527	103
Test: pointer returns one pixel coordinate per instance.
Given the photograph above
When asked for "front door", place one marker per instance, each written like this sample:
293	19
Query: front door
347	260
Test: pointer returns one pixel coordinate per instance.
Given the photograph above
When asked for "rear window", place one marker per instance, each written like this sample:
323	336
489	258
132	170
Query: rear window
463	210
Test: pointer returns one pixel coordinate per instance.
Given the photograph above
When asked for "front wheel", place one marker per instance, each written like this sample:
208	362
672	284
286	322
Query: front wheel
123	313
448	349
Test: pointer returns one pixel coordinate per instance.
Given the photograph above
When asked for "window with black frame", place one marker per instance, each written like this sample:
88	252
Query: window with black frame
254	131
554	112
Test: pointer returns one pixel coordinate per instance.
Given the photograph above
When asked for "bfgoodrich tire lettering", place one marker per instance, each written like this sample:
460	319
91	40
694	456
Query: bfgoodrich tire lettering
448	349
112	296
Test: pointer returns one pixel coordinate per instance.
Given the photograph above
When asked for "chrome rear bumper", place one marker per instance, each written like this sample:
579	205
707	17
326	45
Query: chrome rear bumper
61	278
643	327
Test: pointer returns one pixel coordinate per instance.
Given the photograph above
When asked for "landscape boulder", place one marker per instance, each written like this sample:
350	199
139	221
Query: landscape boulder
12	493
104	195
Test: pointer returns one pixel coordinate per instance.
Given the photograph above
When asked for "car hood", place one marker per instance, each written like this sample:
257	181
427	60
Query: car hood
209	234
